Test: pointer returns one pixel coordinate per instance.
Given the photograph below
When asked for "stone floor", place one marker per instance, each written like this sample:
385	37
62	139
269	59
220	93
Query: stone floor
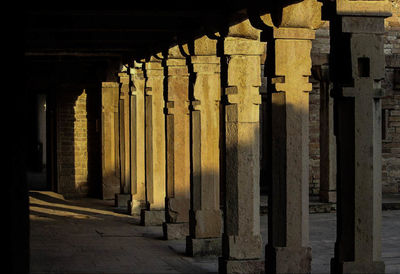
88	236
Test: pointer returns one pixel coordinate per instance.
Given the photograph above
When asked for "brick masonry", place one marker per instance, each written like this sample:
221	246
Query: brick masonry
77	143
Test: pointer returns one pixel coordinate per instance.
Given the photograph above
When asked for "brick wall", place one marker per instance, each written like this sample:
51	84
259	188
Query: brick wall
391	105
72	148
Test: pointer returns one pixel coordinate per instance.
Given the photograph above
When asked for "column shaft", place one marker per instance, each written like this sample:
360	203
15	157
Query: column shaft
290	66
241	238
327	140
124	195
357	63
137	139
110	136
205	215
154	214
178	146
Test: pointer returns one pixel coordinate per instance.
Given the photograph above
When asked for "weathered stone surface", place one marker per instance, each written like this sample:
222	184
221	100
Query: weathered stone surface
178	210
155	134
137	126
288	205
241	238
205	216
203	247
135	207
175	231
152	217
205	223
124	132
359	140
364	7
177	139
288	259
110	136
122	200
243	247
240	266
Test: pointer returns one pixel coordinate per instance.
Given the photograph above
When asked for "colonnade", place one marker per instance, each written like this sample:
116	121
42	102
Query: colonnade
189	138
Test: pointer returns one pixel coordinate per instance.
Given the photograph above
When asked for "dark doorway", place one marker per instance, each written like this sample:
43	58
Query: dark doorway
41	142
37	147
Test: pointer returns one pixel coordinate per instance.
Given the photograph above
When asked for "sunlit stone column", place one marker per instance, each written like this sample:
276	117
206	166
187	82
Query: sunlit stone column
124	196
109	140
289	68
241	237
177	145
205	215
357	69
154	213
137	139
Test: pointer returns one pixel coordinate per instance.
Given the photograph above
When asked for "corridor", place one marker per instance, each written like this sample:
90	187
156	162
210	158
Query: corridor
90	236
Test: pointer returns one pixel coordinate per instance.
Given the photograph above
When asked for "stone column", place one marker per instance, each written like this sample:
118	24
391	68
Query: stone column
327	193
289	68
177	145
357	69
124	196
154	214
241	237
109	139
138	188
205	215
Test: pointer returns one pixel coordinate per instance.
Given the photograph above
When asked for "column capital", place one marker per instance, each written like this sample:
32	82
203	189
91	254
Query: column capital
204	46
153	69
305	14
123	78
137	69
380	8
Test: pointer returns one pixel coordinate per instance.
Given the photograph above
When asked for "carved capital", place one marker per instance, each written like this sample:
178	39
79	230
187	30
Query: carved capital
204	46
305	14
364	7
244	30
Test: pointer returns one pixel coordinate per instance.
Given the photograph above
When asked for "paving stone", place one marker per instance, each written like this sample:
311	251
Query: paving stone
99	240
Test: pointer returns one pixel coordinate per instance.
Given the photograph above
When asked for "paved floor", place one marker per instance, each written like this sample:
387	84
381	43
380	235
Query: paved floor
88	236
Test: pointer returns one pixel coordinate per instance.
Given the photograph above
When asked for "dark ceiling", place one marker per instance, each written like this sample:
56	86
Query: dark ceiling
62	42
130	32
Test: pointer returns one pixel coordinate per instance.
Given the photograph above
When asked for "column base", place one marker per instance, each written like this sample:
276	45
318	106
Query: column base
175	231
203	247
122	200
288	259
240	266
136	206
152	217
357	267
243	248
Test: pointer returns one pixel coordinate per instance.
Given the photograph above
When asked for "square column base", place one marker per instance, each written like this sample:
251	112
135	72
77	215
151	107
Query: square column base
357	267
288	259
152	217
122	200
203	247
240	266
243	248
175	231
